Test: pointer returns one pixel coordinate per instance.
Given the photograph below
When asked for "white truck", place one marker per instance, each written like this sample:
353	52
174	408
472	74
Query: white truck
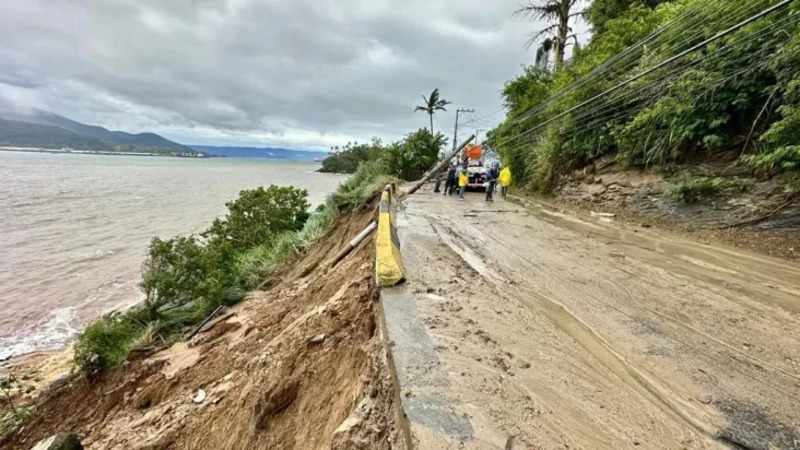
478	162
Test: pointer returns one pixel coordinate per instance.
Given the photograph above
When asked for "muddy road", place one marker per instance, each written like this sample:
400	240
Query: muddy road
554	331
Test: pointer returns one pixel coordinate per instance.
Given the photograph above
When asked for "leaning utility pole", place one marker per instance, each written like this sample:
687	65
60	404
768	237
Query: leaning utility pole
455	133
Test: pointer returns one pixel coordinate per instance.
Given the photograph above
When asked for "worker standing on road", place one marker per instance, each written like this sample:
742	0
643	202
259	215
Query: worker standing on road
491	180
450	182
505	181
463	181
439	176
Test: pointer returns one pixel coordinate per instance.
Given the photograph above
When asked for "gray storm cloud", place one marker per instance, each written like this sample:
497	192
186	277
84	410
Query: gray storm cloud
296	73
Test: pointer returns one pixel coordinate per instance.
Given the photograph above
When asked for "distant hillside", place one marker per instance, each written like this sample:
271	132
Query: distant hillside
264	152
25	134
119	140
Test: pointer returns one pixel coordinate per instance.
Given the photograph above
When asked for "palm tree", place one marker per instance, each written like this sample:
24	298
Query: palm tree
558	14
433	104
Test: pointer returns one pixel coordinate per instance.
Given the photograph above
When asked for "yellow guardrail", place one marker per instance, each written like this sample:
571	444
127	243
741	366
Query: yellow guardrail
389	261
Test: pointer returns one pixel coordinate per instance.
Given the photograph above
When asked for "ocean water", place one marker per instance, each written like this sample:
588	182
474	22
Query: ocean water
74	229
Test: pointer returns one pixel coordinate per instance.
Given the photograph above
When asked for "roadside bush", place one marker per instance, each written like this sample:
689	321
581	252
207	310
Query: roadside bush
696	189
780	159
357	189
260	214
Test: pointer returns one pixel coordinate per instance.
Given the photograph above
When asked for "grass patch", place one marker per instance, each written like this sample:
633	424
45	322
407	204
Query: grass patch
12	420
781	159
370	177
697	189
15	416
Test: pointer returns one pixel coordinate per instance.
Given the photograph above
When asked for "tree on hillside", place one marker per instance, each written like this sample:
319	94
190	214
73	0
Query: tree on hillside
409	158
554	37
432	104
601	11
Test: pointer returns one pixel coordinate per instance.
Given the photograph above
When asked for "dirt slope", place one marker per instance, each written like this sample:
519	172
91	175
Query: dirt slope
269	383
759	214
564	333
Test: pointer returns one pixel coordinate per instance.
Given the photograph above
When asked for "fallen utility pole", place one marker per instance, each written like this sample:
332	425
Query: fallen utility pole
436	169
374	224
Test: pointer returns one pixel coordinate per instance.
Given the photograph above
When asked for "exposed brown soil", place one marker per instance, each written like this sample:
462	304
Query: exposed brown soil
759	219
301	366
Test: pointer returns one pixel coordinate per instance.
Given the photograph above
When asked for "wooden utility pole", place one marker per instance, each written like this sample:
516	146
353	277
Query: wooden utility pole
455	133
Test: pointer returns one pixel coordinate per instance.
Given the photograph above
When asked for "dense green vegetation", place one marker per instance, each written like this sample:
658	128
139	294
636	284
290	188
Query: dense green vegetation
739	94
406	159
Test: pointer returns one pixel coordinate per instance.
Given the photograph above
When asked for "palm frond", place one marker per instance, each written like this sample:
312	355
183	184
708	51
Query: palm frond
540	9
535	37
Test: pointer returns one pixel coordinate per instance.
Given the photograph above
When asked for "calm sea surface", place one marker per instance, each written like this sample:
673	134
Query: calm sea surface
74	229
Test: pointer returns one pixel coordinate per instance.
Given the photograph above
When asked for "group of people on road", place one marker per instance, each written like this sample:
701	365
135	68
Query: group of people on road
457	179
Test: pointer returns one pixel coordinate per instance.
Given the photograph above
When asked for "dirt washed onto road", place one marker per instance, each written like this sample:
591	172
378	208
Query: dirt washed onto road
554	332
302	366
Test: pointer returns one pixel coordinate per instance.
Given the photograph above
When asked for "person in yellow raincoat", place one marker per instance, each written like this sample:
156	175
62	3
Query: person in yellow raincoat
463	181
505	181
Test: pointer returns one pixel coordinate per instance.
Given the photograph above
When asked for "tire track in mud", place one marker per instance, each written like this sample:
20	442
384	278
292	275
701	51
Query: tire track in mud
679	323
587	338
644	384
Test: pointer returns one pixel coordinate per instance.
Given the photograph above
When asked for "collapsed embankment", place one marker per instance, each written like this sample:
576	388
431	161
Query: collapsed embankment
300	366
715	199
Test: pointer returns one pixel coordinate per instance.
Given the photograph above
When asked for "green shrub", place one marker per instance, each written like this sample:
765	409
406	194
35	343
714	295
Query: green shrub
696	189
106	342
780	159
181	270
260	214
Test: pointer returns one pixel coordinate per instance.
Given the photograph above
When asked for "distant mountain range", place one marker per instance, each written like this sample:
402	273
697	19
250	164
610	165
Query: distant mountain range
260	152
34	135
42	129
45	130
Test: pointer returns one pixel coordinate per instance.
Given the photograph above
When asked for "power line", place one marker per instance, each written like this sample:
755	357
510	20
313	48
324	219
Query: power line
696	19
658	66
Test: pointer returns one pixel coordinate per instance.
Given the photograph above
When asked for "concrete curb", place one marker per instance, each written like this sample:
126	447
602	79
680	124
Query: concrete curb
404	427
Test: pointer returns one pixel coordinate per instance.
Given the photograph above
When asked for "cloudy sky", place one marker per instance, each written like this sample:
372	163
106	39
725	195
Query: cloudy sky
294	73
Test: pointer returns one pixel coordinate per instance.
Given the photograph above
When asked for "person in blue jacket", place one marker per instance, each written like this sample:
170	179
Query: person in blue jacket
491	180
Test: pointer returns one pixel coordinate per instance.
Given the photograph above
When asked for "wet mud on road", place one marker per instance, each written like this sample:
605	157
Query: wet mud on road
522	327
